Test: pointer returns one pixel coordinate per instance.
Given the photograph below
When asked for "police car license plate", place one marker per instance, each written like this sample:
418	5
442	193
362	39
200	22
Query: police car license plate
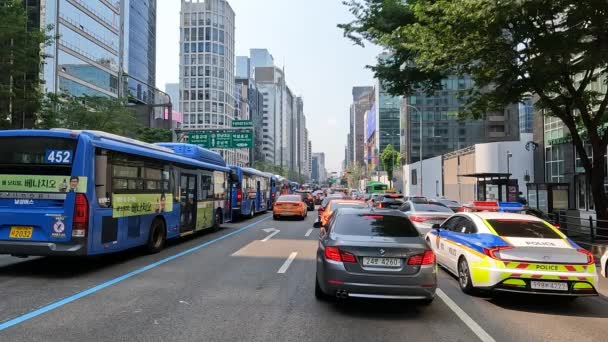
549	285
382	262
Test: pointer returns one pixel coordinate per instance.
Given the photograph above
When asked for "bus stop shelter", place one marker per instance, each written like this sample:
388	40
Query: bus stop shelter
495	186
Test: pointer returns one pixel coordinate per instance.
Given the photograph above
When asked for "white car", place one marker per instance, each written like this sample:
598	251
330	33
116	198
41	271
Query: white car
604	261
512	252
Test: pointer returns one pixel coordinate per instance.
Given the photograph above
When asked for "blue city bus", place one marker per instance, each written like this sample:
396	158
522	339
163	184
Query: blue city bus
250	193
80	193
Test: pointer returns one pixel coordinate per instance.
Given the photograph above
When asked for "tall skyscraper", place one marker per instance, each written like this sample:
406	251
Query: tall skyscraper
207	58
104	48
442	131
362	102
260	58
243	67
249	104
271	83
88	58
318	170
140	49
388	109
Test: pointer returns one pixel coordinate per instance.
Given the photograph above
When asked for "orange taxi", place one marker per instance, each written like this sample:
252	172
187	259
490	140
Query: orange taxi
289	206
336	204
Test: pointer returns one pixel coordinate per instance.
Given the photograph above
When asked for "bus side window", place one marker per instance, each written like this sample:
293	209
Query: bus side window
102	190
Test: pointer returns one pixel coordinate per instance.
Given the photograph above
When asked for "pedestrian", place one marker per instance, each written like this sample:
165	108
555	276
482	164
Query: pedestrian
521	199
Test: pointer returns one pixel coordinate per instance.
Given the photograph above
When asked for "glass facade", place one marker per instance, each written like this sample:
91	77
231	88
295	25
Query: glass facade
207	82
388	120
526	110
142	50
87	47
442	130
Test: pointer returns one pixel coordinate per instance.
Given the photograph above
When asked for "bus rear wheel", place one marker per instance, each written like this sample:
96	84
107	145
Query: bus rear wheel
218	220
157	237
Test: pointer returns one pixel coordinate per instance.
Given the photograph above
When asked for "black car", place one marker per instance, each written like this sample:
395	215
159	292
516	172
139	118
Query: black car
307	198
389	201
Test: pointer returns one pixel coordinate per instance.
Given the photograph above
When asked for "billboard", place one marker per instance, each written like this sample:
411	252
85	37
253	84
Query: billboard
370	122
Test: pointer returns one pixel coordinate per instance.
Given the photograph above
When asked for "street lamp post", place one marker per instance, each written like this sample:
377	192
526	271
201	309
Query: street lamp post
509	155
420	147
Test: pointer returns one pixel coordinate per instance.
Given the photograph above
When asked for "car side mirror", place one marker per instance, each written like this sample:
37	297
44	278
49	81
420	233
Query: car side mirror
317	224
437	226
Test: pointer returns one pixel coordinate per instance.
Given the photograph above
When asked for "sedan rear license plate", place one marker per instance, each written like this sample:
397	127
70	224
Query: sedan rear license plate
21	233
549	285
382	262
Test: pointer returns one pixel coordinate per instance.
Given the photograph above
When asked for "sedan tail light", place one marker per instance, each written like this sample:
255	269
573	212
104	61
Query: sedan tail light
418	218
590	257
335	254
426	258
491	252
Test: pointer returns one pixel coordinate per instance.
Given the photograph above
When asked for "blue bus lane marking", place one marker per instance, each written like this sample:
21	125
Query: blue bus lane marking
75	297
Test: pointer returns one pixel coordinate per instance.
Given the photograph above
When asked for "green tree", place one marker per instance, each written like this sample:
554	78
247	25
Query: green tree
390	158
20	61
557	50
354	174
90	113
153	135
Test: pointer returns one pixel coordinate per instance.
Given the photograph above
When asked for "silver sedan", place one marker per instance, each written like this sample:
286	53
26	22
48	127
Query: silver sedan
374	254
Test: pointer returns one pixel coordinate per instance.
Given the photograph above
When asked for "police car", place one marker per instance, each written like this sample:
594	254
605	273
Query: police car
491	246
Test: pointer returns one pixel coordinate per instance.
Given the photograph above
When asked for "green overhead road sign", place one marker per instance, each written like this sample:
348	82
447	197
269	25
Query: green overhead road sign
226	138
242	123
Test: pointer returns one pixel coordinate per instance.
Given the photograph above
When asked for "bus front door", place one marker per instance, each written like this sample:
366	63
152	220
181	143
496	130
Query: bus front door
188	202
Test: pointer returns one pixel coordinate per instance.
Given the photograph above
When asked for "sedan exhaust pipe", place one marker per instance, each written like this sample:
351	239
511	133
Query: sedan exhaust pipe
341	294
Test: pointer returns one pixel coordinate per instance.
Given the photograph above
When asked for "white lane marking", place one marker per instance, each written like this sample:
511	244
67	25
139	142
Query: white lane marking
274	232
287	263
308	232
476	328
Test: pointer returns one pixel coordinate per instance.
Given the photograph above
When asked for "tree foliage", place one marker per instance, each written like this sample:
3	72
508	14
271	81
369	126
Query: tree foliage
354	173
88	113
20	61
390	158
554	49
154	135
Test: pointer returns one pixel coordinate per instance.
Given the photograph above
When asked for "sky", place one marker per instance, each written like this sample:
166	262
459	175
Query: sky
320	64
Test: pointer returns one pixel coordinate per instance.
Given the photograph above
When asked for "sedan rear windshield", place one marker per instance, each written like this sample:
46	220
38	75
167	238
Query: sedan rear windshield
432	208
523	229
291	198
348	205
374	225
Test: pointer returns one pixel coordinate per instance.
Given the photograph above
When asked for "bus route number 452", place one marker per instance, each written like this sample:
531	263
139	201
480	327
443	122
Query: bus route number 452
58	157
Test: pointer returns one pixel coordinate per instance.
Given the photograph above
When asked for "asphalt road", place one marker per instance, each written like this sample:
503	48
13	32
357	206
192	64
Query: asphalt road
240	285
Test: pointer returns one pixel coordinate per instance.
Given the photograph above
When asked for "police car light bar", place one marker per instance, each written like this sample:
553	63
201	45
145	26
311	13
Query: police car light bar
481	206
510	207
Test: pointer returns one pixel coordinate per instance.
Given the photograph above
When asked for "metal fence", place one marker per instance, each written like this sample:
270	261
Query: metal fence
578	228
